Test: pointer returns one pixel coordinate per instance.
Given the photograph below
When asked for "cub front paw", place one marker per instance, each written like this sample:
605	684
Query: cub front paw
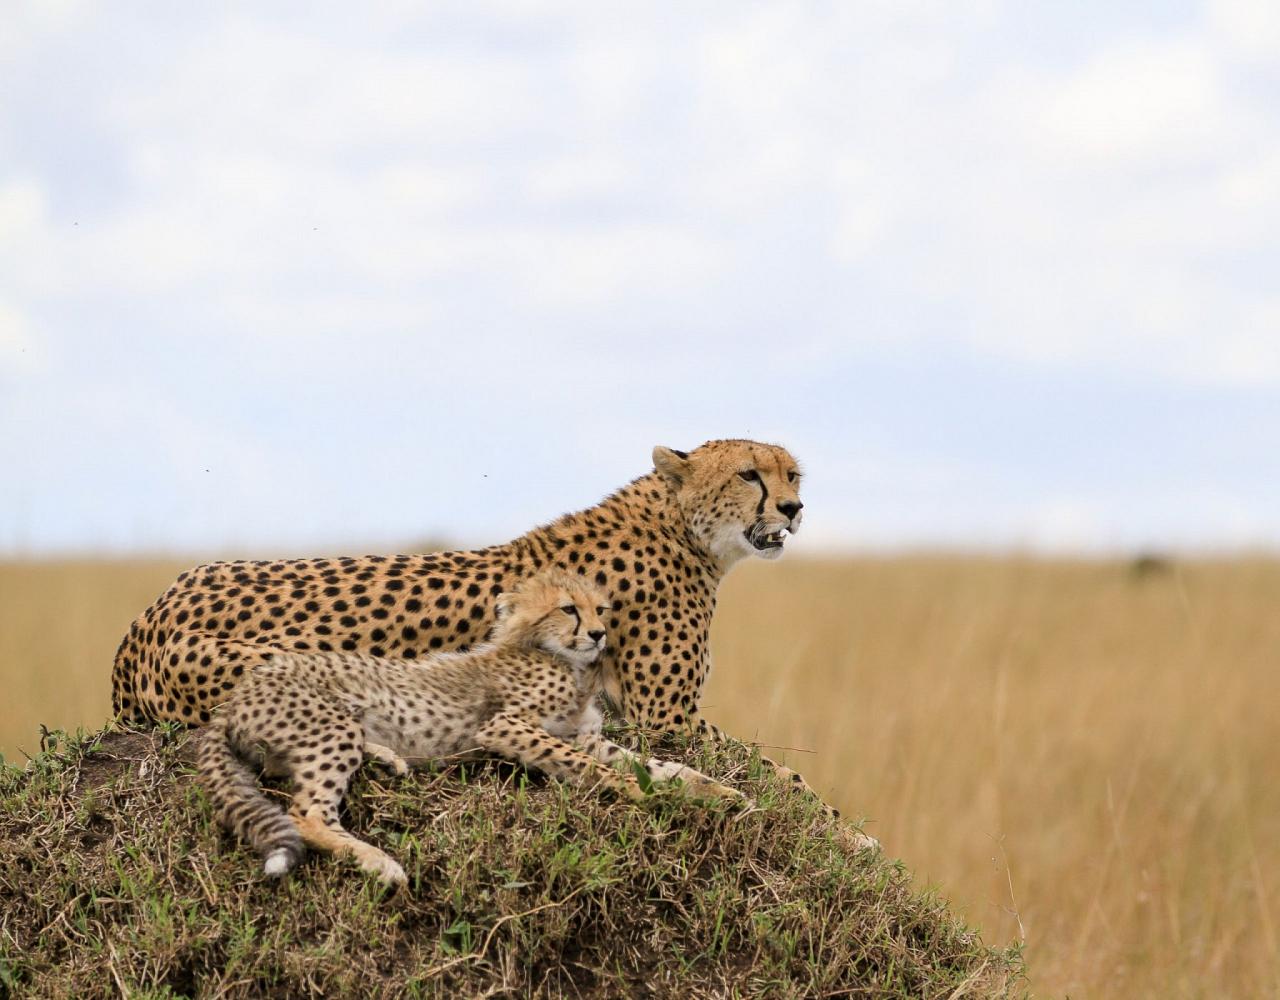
701	785
854	840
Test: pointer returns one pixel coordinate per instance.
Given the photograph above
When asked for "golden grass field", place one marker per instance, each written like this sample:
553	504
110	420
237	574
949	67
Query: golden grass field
1079	757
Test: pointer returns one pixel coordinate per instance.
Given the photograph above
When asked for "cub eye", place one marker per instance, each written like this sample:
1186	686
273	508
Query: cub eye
569	609
751	476
791	477
602	611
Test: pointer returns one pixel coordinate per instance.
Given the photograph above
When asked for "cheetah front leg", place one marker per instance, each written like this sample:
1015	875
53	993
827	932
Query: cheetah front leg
516	737
610	753
854	839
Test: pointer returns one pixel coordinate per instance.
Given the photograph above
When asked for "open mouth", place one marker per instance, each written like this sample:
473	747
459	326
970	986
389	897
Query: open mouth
762	541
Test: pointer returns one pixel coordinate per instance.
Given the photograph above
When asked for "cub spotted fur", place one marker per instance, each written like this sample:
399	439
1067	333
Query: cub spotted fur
529	694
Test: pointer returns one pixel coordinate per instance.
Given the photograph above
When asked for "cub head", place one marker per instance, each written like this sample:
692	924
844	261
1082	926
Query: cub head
558	612
738	497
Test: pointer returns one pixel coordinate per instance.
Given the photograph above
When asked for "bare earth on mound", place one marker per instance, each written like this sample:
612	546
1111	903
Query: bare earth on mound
114	880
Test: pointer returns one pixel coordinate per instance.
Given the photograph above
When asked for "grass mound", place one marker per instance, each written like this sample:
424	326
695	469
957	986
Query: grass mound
115	881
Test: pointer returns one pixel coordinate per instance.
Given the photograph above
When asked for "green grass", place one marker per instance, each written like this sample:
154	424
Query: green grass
114	880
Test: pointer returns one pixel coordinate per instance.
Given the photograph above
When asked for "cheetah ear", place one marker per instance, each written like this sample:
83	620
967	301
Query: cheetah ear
506	622
671	464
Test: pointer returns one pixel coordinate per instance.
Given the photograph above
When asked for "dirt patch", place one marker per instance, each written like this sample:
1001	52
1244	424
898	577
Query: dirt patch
115	754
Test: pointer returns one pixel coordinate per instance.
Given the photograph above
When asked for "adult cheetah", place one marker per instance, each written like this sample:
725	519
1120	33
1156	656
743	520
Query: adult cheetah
525	694
659	547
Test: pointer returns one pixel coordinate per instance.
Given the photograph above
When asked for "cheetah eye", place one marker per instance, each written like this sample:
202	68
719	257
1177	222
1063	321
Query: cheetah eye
601	611
791	477
750	476
570	609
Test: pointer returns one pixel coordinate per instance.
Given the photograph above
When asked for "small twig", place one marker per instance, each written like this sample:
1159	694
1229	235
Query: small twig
964	986
206	886
1013	900
111	964
226	988
774	746
61	914
488	939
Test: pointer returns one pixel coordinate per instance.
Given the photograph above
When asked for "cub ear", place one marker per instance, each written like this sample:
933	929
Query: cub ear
502	606
671	464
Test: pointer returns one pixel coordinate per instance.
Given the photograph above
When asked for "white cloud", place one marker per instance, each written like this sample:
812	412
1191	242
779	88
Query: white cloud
26	235
599	268
621	188
1247	352
573	178
1251	27
1079	215
22	209
254	84
19	351
868	207
1138	103
28	21
272	158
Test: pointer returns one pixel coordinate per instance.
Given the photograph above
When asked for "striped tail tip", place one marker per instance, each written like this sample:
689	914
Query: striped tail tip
279	862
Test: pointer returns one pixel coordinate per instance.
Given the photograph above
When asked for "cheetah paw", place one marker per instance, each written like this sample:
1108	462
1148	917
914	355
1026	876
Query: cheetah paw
700	785
854	840
384	868
386	756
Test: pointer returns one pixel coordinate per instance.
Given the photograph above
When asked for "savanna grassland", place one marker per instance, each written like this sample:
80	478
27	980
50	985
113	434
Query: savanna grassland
1081	756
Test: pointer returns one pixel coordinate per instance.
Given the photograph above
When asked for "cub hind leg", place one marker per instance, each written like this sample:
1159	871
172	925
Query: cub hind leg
322	770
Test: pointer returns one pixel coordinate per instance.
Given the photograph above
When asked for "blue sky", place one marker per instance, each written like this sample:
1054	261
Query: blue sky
1000	274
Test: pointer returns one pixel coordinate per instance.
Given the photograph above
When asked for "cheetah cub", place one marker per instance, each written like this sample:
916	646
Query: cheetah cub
530	693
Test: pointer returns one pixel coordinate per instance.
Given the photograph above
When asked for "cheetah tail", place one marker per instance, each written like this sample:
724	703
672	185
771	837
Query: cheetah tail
125	703
240	804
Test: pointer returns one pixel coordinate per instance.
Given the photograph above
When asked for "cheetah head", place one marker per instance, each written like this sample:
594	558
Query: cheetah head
558	612
739	498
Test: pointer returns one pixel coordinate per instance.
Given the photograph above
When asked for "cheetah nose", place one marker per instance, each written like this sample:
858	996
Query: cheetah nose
790	509
596	634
